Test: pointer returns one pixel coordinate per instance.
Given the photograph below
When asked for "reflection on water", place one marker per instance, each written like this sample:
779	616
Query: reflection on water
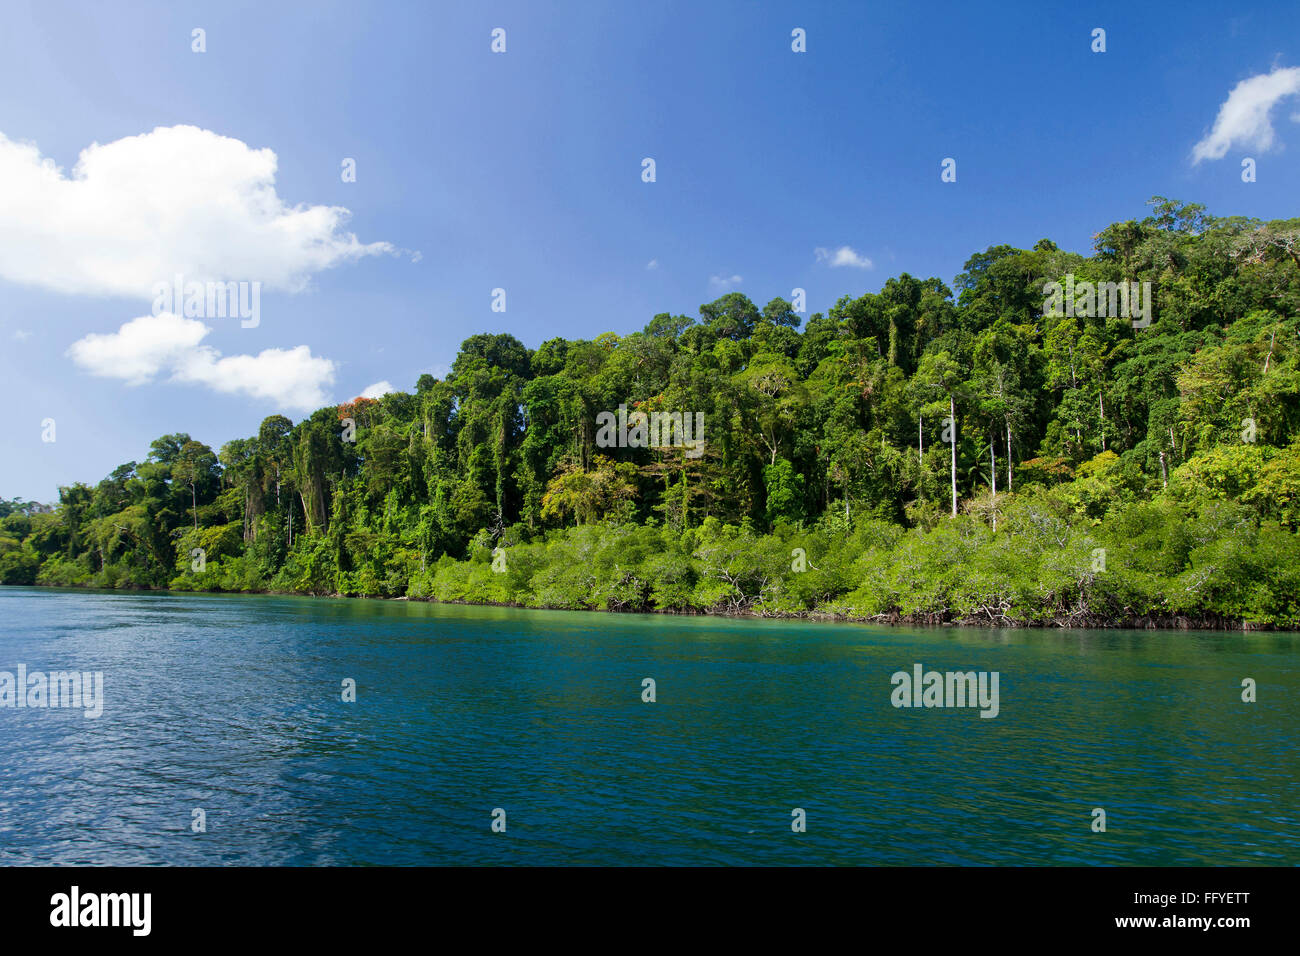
232	704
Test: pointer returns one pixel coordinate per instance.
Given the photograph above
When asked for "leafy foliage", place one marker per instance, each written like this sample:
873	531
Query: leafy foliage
933	453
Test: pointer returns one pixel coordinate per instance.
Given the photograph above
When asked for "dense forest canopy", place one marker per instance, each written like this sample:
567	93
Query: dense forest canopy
1092	471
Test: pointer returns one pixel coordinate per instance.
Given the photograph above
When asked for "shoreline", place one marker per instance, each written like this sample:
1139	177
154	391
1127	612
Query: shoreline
1167	622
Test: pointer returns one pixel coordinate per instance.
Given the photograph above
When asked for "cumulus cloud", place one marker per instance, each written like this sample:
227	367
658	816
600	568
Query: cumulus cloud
723	283
843	256
140	349
289	378
378	390
1243	118
153	345
177	200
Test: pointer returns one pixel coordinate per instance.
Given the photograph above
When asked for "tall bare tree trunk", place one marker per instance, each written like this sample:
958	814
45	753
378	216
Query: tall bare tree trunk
993	476
952	413
1102	403
1008	456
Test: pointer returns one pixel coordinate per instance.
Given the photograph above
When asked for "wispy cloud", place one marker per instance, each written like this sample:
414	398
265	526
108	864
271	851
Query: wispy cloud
652	265
1243	118
723	283
439	370
843	256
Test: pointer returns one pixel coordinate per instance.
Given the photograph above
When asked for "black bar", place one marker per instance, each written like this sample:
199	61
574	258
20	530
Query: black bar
329	906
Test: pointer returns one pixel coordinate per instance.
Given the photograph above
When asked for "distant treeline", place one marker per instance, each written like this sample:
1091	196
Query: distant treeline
923	453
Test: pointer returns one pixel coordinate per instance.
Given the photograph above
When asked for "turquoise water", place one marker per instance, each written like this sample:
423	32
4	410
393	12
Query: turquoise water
233	704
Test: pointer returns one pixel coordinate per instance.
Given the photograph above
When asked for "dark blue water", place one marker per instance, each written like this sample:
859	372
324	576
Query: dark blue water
233	705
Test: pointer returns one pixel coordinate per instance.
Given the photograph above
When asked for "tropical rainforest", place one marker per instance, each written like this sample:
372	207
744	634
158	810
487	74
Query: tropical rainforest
926	453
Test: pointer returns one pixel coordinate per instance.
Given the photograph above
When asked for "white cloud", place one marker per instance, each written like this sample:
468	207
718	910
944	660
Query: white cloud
1243	118
843	256
139	210
289	378
723	283
140	349
22	335
151	345
652	265
378	390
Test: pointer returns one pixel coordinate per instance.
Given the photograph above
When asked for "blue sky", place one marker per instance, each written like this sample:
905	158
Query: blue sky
522	170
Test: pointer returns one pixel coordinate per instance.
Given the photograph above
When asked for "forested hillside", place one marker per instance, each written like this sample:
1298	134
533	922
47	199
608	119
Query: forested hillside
1103	473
